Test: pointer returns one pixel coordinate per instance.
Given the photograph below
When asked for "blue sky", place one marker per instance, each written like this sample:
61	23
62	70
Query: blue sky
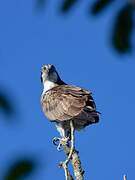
79	47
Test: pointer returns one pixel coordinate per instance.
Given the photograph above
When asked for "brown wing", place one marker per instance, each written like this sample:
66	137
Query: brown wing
65	102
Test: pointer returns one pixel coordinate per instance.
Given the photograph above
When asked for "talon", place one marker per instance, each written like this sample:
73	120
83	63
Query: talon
59	148
66	140
59	142
56	141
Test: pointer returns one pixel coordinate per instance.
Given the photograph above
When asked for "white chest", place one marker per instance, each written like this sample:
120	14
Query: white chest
48	85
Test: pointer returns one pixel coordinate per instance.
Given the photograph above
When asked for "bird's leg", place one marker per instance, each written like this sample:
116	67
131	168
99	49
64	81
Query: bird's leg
64	164
72	144
64	140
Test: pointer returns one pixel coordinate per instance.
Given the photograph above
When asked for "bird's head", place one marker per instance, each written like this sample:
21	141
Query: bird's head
49	73
50	77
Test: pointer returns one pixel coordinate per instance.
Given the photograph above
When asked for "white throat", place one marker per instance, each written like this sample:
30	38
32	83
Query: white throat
48	85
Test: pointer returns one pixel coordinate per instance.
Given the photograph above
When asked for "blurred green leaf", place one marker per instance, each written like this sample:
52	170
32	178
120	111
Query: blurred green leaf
5	104
121	37
99	6
67	5
20	169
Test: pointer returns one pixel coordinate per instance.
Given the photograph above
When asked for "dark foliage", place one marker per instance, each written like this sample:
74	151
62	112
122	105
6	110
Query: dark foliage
122	29
40	4
67	5
20	169
5	104
121	34
99	6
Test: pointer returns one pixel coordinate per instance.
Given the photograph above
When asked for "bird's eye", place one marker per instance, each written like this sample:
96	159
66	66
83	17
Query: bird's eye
44	68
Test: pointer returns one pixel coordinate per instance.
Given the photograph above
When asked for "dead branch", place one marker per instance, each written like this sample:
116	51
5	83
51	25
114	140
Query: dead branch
72	155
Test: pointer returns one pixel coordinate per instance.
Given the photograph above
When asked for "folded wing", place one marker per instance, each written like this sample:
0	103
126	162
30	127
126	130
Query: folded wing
65	102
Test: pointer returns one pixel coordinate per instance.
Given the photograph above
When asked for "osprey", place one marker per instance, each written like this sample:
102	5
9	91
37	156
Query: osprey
62	103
